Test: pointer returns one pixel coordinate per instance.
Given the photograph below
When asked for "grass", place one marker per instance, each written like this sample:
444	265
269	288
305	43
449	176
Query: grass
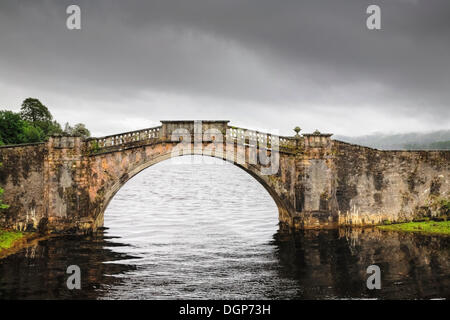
429	227
8	238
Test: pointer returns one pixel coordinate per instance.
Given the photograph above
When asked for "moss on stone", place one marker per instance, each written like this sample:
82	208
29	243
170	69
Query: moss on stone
8	238
95	147
428	227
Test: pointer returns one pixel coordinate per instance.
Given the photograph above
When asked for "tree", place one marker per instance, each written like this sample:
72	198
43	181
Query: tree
15	130
31	133
67	129
49	127
34	123
78	130
11	126
33	110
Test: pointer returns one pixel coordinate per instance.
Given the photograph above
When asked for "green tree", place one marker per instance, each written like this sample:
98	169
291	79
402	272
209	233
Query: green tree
34	123
33	110
49	127
30	133
36	113
78	130
15	130
11	127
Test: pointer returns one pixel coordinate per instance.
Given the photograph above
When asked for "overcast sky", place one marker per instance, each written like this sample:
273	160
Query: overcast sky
262	64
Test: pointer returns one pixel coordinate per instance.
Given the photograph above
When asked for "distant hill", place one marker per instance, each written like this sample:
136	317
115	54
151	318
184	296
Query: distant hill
436	140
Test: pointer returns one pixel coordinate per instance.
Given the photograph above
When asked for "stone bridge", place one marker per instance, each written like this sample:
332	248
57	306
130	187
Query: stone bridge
66	183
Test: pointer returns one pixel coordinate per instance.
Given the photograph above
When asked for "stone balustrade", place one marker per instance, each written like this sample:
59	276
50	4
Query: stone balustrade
125	138
264	139
167	132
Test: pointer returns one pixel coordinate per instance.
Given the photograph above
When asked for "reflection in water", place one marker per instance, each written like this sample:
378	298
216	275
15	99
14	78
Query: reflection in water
39	271
332	264
209	232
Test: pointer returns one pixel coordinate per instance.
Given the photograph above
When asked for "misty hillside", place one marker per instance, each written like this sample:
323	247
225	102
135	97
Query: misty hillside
436	140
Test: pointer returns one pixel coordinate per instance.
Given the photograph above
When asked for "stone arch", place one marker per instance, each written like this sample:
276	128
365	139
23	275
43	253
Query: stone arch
252	170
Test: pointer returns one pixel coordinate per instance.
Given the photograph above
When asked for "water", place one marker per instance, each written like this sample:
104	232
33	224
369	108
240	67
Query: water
210	231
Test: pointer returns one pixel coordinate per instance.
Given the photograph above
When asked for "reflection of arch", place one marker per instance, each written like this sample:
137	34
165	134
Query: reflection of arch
249	168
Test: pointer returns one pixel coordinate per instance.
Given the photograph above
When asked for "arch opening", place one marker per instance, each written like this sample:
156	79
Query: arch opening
183	224
248	169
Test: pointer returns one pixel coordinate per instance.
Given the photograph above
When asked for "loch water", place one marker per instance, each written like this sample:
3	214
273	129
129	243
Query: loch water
201	228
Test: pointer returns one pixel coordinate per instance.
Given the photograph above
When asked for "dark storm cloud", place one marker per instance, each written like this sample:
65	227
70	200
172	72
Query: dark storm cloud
303	58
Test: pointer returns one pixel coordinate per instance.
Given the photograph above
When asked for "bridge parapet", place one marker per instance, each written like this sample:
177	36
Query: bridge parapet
205	131
124	138
262	138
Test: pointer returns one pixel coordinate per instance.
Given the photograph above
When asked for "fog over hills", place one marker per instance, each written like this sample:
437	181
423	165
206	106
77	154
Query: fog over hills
414	140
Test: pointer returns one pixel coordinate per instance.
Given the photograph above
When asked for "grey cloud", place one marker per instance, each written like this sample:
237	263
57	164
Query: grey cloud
296	57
